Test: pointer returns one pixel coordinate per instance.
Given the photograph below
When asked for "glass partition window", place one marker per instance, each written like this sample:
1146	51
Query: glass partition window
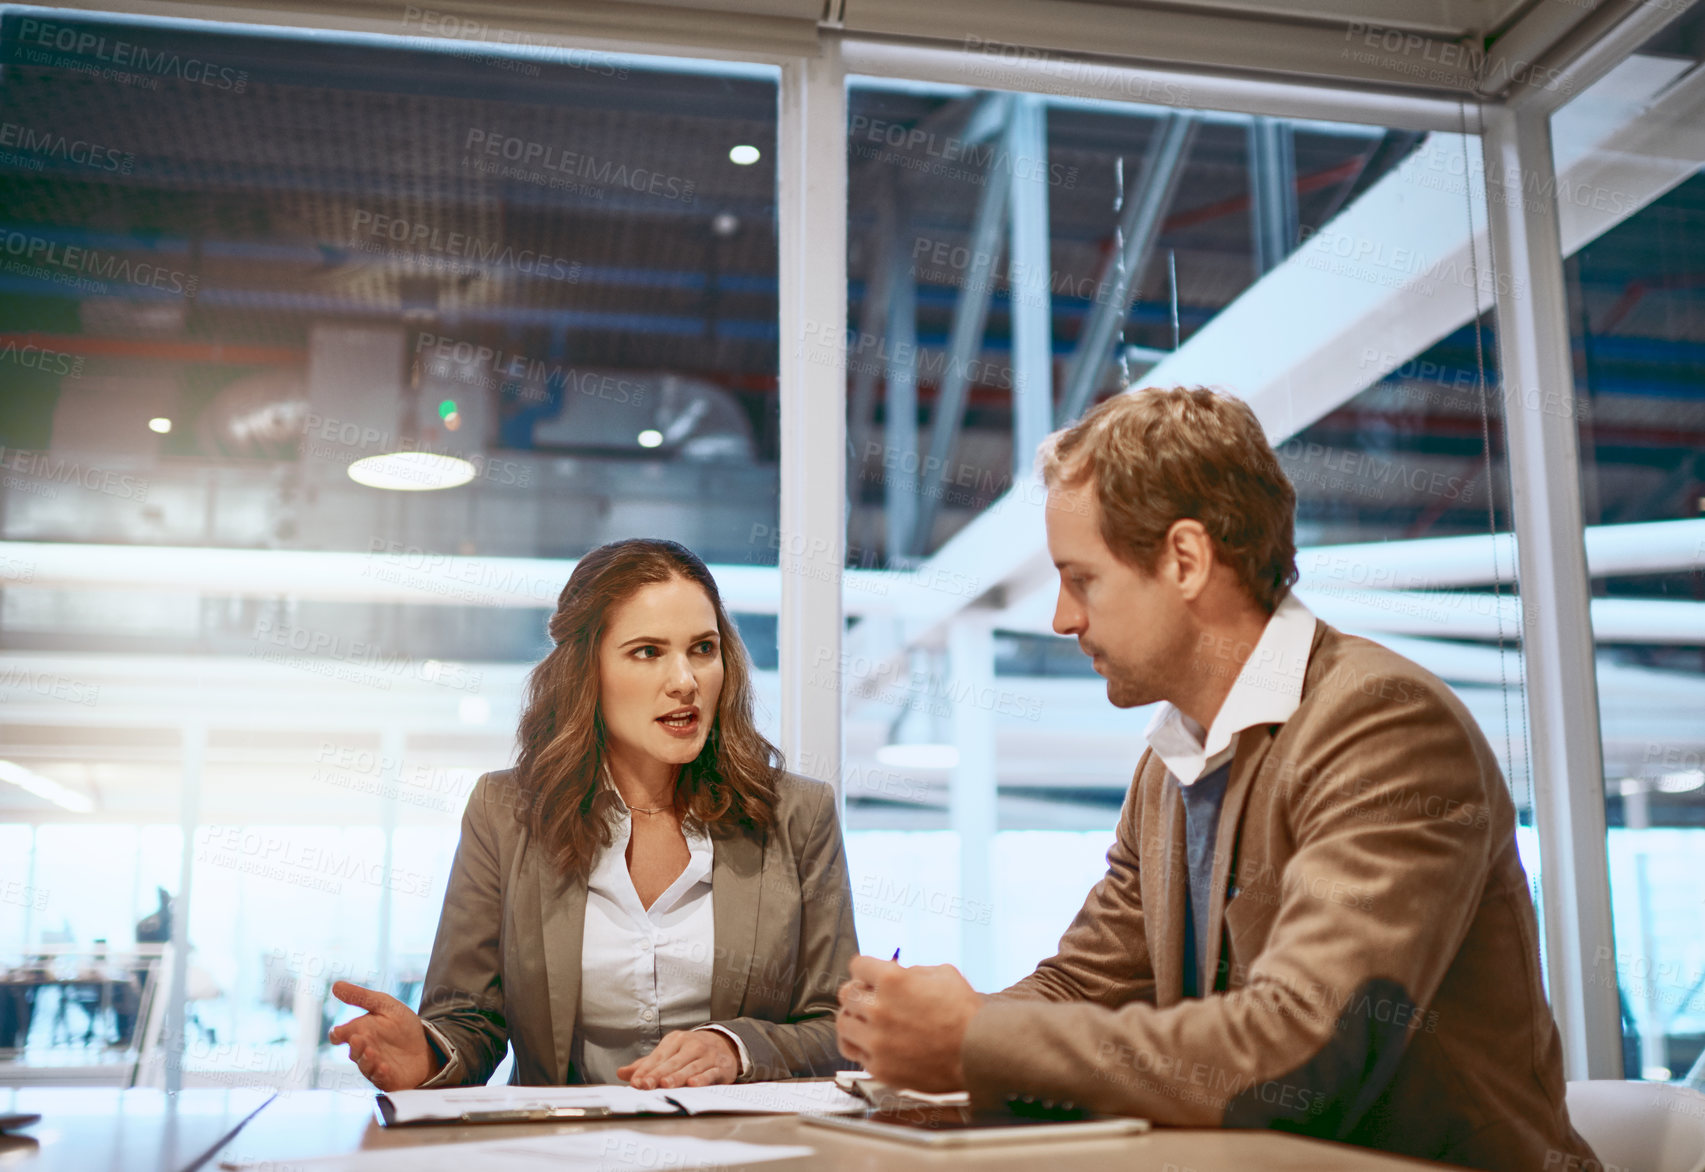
322	355
1013	259
1637	332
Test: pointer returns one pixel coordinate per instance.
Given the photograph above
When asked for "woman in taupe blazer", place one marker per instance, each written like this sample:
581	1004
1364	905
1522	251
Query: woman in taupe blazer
647	896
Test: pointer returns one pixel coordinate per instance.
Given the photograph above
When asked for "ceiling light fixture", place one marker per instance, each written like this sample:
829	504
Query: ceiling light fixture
1684	782
160	425
650	438
45	788
412	471
744	156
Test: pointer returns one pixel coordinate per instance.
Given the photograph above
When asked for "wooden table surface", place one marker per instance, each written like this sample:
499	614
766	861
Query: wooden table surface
303	1124
106	1129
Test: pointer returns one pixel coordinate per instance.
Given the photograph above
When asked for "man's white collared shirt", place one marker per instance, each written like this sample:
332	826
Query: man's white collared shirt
1267	690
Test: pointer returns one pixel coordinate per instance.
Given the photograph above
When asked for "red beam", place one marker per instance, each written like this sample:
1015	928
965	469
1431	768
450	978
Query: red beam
214	352
1225	207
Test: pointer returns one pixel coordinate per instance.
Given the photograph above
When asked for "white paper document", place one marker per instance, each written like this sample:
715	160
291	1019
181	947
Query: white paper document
766	1098
502	1104
472	1103
598	1149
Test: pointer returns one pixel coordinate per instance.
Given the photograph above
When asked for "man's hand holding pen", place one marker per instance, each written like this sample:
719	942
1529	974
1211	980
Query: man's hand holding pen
906	1025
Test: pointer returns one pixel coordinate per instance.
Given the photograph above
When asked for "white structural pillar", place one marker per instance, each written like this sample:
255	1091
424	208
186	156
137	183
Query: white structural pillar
1557	637
812	204
392	743
1029	282
971	801
193	752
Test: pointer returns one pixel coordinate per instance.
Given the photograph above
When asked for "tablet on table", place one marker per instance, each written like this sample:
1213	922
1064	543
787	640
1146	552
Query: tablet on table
957	1126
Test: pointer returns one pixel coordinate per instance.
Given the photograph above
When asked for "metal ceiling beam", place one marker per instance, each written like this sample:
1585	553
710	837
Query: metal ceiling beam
431	579
1029	273
899	462
1327	336
864	367
965	337
1272	191
1481	615
1139	227
1435	614
1432	563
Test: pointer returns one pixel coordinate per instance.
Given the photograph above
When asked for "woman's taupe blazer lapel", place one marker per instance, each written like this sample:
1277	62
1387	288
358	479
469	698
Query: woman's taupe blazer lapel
562	930
737	880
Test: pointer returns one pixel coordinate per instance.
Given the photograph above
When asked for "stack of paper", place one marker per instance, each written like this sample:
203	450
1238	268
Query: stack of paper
505	1104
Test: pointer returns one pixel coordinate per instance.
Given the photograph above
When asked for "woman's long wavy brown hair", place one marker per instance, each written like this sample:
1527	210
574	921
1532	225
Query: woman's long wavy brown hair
562	746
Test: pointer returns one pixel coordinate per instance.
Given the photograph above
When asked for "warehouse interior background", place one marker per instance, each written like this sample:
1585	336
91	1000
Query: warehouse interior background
243	266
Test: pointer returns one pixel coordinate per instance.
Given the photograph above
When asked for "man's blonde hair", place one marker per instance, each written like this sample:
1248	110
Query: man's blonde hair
1157	456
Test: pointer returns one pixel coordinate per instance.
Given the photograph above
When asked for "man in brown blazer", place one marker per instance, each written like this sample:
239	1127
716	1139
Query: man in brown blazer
1314	917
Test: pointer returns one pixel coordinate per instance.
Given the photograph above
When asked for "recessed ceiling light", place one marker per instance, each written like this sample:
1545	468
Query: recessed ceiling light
160	424
744	155
1684	782
412	471
650	438
918	756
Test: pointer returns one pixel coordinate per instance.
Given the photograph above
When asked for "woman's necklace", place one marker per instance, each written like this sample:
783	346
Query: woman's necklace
652	809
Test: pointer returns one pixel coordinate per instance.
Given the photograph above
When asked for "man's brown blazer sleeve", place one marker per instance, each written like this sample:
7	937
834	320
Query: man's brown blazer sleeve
1386	801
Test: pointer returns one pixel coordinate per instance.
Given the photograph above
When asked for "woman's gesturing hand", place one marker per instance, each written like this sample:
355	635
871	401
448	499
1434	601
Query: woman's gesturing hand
685	1058
388	1042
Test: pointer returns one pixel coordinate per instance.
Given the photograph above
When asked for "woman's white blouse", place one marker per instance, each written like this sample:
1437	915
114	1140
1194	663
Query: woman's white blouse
643	971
